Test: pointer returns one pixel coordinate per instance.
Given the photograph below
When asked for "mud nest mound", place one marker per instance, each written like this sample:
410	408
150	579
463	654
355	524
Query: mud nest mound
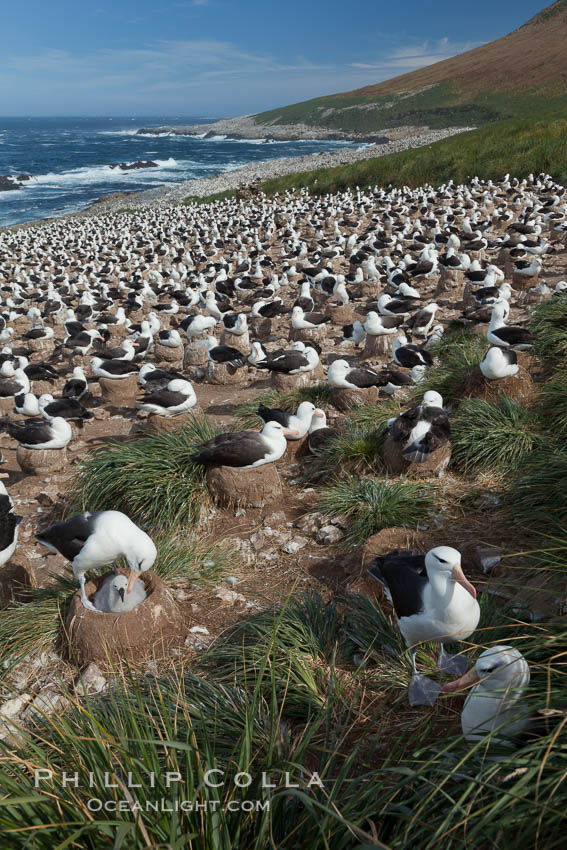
150	629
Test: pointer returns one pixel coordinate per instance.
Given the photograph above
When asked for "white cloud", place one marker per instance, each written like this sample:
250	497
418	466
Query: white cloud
414	56
191	76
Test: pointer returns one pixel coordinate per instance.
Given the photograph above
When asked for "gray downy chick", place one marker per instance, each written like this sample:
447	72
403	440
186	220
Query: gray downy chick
112	597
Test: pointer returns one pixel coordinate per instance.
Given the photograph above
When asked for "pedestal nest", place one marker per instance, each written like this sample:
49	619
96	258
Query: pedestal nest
344	399
246	488
40	461
195	355
119	392
166	354
284	383
222	374
396	464
14	580
307	335
377	345
468	297
166	424
41	346
407	540
148	630
239	341
42	387
390	539
519	387
7	404
340	315
367	289
295	450
522	282
261	328
505	262
451	283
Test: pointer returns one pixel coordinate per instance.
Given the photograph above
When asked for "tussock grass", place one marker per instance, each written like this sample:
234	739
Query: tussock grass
186	725
549	326
370	504
253	712
357	446
247	413
193	560
553	404
354	448
295	642
30	627
517	146
537	495
152	479
488	436
374	415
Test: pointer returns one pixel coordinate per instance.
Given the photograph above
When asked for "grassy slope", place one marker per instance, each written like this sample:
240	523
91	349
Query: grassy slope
441	105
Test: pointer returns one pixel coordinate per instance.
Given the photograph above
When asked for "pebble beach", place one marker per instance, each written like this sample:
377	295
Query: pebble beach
401	139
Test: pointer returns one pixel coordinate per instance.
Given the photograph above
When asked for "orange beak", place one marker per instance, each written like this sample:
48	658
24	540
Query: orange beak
131	580
291	432
4	475
318	413
469	679
459	577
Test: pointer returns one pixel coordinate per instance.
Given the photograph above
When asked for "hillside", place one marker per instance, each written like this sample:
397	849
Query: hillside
513	76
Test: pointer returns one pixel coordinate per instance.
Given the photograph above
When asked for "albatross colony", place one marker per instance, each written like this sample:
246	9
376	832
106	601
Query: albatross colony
146	314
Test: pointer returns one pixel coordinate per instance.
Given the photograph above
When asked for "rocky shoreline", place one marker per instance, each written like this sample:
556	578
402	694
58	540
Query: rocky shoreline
245	127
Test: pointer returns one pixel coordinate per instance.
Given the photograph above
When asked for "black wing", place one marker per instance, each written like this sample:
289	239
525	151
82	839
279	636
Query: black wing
405	423
403	574
164	398
69	537
273	414
235	449
363	378
73	388
286	363
33	432
8	522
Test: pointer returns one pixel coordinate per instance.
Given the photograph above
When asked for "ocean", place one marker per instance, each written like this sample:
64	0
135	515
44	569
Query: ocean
69	160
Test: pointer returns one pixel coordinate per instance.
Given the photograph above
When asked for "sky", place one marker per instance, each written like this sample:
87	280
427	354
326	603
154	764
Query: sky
216	58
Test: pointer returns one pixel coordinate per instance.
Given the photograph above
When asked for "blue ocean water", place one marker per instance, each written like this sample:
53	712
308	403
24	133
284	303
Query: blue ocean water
69	160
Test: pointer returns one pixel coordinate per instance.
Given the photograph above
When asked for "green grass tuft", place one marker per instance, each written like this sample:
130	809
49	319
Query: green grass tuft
296	641
369	505
457	352
357	446
549	327
151	479
552	404
488	436
537	494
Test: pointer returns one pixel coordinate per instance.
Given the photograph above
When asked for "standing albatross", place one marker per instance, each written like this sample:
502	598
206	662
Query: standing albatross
93	540
433	601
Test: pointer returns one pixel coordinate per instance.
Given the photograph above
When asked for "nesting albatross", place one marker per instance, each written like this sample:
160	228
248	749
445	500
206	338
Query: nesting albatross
245	449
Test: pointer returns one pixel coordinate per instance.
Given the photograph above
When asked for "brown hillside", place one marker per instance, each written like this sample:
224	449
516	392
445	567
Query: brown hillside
531	57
